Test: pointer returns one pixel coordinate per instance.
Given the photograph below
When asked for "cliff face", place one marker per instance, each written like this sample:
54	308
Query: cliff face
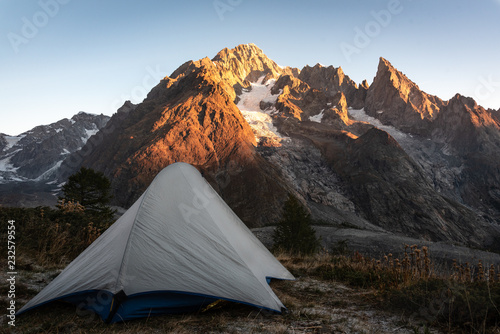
245	64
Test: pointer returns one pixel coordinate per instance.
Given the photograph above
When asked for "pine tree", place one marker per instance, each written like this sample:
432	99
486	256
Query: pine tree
294	232
92	190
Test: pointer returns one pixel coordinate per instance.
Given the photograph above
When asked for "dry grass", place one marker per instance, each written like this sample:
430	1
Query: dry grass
464	298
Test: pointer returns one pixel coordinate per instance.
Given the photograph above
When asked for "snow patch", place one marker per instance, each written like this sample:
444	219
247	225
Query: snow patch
89	133
12	141
49	172
360	115
6	166
317	118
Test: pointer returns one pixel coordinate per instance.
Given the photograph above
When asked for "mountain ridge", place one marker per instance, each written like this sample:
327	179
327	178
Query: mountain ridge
434	179
33	153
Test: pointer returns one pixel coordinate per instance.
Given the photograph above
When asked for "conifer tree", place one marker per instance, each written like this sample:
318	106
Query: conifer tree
92	190
294	232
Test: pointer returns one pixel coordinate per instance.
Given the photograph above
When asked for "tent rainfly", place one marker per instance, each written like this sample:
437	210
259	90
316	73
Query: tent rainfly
177	249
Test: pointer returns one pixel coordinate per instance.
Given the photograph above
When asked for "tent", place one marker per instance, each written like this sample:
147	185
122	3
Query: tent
177	249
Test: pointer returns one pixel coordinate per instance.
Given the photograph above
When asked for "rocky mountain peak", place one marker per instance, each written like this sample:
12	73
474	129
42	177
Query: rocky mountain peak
495	114
390	76
398	101
467	101
244	51
462	135
332	80
126	107
464	111
90	120
247	63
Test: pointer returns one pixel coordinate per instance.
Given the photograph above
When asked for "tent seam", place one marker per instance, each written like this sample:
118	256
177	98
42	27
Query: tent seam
125	252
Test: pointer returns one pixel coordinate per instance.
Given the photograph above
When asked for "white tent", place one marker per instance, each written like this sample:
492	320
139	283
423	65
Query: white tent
178	248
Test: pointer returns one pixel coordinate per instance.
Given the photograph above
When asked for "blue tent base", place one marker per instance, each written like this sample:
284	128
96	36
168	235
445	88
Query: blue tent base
137	306
151	304
119	307
143	305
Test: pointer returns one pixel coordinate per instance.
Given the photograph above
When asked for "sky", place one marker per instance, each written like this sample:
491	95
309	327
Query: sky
60	57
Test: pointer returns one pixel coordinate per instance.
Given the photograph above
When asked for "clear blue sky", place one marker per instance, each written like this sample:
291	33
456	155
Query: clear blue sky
59	57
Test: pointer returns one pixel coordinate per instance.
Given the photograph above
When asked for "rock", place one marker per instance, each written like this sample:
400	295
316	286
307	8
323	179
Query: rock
126	107
392	191
244	64
337	111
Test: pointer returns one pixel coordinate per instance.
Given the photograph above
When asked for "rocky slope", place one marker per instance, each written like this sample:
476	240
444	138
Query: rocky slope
331	81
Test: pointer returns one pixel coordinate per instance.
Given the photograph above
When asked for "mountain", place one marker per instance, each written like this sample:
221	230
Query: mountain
192	116
35	156
459	140
385	157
